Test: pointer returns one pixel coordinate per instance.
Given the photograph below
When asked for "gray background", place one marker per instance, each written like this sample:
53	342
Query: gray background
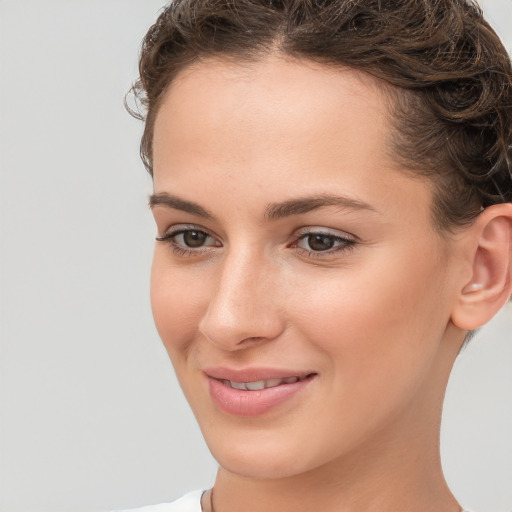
91	415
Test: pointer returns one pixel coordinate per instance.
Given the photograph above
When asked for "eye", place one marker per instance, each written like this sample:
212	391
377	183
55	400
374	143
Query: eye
188	239
318	242
191	238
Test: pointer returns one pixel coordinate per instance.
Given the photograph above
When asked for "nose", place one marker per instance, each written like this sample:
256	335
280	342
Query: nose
243	308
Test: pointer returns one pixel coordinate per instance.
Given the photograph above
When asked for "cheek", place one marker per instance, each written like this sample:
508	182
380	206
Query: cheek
376	318
177	303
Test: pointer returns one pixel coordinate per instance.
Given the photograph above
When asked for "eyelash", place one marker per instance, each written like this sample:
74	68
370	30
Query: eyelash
181	250
346	244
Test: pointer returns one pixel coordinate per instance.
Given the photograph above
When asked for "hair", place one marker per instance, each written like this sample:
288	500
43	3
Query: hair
449	75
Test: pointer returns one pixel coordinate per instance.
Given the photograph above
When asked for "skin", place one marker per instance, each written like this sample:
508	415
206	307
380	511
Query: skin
373	320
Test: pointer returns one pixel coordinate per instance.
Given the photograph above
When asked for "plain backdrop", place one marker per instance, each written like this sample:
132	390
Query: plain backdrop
91	415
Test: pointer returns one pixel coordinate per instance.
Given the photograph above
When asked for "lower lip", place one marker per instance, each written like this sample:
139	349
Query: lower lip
253	403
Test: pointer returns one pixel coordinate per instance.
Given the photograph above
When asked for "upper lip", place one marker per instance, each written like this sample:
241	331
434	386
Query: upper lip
253	374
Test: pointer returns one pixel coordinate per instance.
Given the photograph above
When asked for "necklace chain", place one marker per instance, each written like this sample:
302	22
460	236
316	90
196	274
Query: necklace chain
204	501
211	501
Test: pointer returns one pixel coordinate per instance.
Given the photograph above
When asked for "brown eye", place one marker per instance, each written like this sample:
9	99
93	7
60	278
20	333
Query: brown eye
194	238
320	242
316	243
189	240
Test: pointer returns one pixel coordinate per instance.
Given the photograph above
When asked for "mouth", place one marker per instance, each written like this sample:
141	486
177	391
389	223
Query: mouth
255	391
263	384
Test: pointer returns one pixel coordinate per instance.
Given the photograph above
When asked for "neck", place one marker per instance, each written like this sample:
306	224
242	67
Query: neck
381	480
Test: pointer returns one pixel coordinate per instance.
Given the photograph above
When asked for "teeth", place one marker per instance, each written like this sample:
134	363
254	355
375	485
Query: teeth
260	384
272	383
238	385
254	386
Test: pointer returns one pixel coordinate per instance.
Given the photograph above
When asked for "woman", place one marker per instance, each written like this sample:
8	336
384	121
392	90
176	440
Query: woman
332	194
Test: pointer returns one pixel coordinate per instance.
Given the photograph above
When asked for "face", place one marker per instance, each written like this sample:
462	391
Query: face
298	285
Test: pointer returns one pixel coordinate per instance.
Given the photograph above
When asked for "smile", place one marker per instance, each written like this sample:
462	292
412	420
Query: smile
254	392
261	384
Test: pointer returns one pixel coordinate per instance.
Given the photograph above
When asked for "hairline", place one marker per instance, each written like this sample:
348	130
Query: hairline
394	96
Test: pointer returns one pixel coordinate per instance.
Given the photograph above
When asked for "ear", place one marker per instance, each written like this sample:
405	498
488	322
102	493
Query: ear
489	286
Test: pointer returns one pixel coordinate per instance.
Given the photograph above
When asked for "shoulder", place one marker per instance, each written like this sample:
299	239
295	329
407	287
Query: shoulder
191	502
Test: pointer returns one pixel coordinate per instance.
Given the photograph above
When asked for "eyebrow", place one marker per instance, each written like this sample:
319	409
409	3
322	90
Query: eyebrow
274	211
298	206
165	199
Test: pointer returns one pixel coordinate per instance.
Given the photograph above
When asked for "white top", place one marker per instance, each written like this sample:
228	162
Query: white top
191	502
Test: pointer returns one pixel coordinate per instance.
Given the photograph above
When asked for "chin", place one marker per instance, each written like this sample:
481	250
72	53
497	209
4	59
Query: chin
271	466
264	455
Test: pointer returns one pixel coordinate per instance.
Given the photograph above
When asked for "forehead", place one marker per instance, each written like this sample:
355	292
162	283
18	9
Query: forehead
252	106
257	128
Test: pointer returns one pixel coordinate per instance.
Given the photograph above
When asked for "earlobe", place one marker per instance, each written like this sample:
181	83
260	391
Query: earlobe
490	283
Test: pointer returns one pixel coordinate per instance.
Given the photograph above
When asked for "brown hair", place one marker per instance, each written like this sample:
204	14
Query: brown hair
450	77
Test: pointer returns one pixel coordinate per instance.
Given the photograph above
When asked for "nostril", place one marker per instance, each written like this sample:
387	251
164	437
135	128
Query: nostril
238	326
